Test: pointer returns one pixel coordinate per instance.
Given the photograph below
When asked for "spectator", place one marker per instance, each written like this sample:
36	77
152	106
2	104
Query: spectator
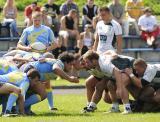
46	20
28	13
117	11
10	15
67	6
54	12
134	9
89	11
86	38
69	27
148	25
37	33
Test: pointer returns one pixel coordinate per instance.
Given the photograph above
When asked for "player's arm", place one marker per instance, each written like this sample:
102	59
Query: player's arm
23	47
21	44
52	41
119	43
95	45
58	71
51	47
135	80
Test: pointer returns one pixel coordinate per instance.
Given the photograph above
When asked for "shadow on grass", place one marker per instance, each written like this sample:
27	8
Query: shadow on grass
49	114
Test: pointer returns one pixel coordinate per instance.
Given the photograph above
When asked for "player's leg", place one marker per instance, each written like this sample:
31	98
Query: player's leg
111	86
49	95
90	87
97	95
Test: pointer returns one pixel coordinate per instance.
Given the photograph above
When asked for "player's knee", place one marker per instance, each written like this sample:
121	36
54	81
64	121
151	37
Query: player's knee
88	83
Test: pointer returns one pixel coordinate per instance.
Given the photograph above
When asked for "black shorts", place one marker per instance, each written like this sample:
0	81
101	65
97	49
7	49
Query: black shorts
107	78
155	86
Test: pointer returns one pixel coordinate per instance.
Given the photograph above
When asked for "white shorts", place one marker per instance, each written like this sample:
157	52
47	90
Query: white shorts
64	34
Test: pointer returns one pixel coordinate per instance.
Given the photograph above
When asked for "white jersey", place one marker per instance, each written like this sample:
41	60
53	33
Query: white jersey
152	73
107	35
106	67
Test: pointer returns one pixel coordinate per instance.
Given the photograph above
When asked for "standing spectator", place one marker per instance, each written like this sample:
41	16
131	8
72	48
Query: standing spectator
37	33
134	9
28	13
148	25
117	11
69	27
10	15
108	32
54	12
46	20
89	11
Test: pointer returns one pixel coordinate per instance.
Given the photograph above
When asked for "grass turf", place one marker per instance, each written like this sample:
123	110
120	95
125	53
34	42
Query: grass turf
69	111
61	82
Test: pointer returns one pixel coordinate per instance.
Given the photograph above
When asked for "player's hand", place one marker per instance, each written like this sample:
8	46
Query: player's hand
128	71
28	49
42	60
74	79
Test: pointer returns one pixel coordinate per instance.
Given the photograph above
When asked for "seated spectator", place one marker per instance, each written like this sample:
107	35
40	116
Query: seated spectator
46	20
67	6
86	38
54	12
148	25
69	28
89	11
28	13
37	33
134	9
117	11
10	15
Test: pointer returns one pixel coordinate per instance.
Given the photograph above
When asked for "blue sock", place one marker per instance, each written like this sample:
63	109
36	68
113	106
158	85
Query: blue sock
50	97
11	100
33	99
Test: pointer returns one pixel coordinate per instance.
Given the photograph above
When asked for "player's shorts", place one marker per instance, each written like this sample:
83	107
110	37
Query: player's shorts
106	78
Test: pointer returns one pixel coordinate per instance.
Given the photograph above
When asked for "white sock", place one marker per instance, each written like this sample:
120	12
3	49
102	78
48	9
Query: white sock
115	105
127	107
88	103
92	104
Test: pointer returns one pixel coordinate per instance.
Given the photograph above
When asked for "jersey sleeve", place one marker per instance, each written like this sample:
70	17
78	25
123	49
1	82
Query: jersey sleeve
149	74
23	38
51	38
58	64
117	29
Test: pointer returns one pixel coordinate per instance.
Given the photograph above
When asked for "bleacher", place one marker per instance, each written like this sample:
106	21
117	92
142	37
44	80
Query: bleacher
135	47
132	46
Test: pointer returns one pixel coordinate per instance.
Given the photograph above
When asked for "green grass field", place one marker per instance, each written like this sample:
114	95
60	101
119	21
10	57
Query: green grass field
70	111
61	82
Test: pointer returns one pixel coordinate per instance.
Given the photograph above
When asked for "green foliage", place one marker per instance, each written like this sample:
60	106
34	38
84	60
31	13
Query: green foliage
154	4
